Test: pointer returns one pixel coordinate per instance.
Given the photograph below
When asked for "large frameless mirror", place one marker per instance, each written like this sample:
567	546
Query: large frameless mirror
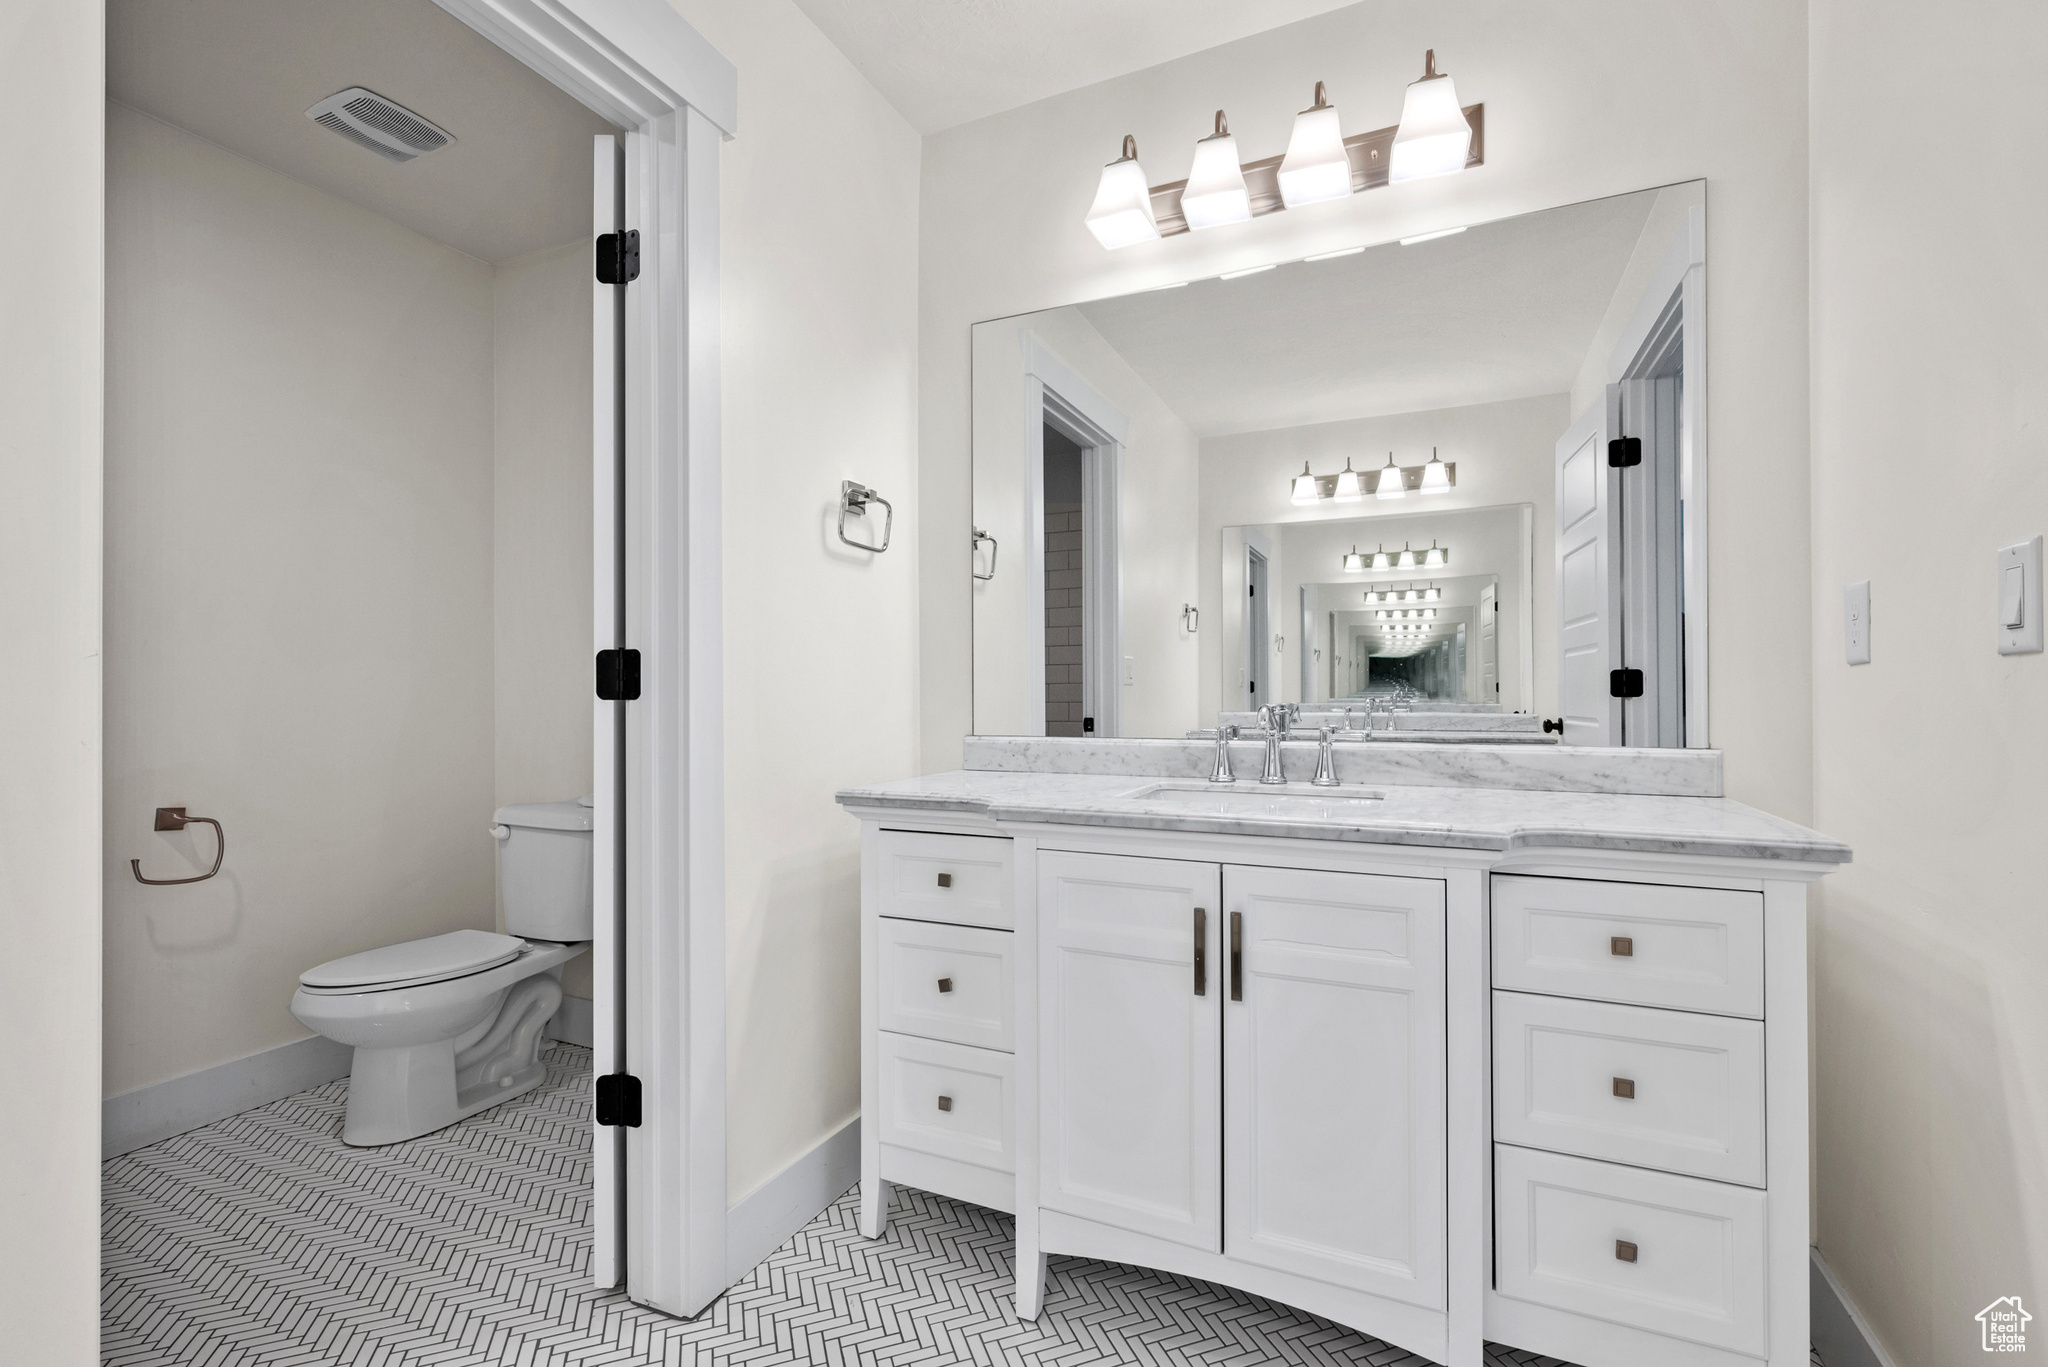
1447	488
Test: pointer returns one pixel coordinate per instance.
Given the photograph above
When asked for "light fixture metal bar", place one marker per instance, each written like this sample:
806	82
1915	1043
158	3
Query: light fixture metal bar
1368	152
1411	479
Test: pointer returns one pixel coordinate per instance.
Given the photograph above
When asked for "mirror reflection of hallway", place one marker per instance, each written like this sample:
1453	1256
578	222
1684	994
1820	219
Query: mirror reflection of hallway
1065	585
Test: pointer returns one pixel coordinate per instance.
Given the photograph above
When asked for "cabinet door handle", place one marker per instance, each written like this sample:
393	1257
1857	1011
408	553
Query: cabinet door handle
1622	946
945	880
945	1103
945	984
1624	1251
1625	1088
1201	952
1237	956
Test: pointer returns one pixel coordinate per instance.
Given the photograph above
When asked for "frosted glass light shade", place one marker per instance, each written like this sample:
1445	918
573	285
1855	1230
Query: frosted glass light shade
1434	138
1122	212
1350	485
1407	560
1382	560
1215	192
1316	166
1305	486
1436	555
1435	478
1354	563
1391	484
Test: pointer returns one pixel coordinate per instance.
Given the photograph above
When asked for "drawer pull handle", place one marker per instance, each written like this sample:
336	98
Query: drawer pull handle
946	985
1622	947
1624	1251
946	1104
1625	1088
945	880
1201	952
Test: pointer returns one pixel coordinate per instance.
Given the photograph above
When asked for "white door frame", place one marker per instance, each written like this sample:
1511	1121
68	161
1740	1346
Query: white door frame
640	65
1055	395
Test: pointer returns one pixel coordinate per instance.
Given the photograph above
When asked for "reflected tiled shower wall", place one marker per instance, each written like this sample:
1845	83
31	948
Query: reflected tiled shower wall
1062	619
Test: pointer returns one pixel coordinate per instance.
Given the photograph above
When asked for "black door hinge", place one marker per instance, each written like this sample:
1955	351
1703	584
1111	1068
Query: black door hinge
618	1100
618	675
1625	683
618	257
1623	452
1087	726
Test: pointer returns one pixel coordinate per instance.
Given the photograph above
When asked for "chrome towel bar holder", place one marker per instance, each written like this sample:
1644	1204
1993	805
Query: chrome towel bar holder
174	819
854	498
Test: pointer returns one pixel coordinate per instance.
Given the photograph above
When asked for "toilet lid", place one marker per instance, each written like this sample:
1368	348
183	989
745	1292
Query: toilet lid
437	956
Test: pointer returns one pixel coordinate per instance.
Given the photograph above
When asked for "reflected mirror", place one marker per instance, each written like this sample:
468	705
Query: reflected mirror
1446	488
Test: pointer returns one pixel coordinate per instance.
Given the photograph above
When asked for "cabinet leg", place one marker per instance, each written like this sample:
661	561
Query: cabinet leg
1030	1282
874	1207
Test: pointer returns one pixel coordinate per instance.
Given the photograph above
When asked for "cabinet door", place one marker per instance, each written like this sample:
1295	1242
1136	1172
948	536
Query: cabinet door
1130	1040
1333	1073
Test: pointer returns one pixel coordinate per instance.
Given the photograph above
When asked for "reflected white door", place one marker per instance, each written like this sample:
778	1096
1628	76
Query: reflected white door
1489	644
1588	577
1333	1066
1130	1072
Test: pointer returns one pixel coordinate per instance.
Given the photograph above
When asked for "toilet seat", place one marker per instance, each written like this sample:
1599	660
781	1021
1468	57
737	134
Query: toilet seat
414	963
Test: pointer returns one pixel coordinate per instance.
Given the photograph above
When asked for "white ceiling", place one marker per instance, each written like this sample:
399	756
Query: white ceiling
947	62
1504	310
241	73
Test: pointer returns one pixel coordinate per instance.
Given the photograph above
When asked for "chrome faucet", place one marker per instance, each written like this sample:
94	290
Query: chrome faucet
1326	760
1274	716
1221	772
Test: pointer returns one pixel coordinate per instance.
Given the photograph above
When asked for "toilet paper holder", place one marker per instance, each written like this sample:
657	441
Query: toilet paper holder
174	819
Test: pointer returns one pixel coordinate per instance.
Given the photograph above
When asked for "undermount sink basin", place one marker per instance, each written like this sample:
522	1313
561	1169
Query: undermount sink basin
1294	800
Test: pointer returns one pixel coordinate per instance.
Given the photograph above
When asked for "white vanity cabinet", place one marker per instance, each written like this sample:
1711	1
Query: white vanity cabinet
1553	1098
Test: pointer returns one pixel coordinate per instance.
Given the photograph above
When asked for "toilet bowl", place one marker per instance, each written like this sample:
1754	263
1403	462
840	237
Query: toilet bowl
449	1025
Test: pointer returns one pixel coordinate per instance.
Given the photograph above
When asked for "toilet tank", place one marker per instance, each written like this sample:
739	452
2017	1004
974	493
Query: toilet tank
544	869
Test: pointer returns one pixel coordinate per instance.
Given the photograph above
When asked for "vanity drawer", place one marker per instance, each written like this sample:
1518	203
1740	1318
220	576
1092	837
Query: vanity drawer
949	1100
1659	1089
948	982
960	879
1695	949
1672	1255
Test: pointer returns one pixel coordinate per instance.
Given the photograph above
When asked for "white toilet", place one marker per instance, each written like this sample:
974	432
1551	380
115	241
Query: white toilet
447	1026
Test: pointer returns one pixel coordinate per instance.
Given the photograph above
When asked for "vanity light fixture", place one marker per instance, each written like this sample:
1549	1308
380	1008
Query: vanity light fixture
1434	137
1435	556
1383	561
1248	270
1391	484
1350	484
1316	166
1354	563
1122	212
1436	479
1215	192
1305	490
1332	256
1406	560
1431	237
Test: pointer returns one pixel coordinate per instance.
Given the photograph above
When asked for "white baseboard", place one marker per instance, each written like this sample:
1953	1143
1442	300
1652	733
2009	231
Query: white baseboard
762	1220
1840	1333
148	1114
571	1023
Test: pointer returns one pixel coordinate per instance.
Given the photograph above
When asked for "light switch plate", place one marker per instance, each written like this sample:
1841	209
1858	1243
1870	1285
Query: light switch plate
2019	598
1856	622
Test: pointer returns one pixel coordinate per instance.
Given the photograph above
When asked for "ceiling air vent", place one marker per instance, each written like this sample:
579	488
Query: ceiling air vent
369	120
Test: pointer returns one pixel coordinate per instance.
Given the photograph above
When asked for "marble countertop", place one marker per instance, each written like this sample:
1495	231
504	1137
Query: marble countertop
1437	815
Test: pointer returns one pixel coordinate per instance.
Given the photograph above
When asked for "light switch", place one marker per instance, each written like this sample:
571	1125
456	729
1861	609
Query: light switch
1856	622
2019	598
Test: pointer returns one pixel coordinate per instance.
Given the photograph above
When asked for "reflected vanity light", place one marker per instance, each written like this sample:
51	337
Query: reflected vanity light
1350	485
1248	270
1431	237
1316	166
1354	563
1215	192
1434	137
1435	478
1122	212
1392	484
1305	490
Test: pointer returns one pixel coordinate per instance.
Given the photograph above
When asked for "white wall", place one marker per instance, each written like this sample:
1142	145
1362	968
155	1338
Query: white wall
1930	384
819	339
1667	219
298	596
1158	503
1505	453
541	527
52	65
1583	100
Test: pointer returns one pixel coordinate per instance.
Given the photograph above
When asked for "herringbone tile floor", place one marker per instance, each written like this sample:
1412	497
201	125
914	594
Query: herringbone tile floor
263	1241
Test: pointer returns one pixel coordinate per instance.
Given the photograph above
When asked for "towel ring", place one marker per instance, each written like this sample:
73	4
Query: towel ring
174	819
975	545
854	498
